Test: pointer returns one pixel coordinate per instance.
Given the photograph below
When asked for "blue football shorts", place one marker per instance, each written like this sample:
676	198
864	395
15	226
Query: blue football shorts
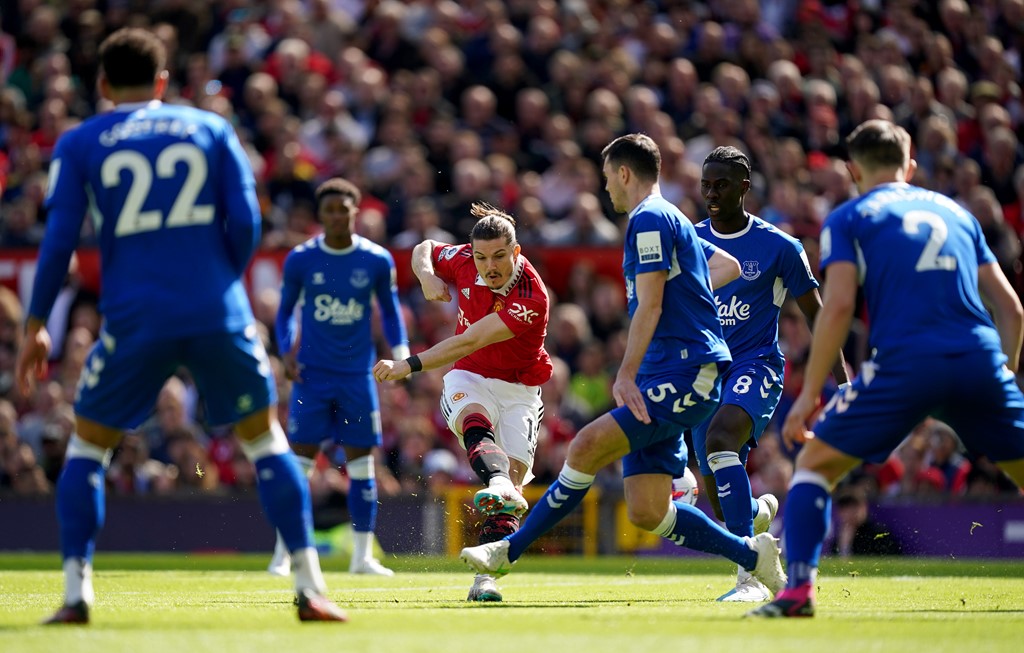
755	385
973	392
122	377
342	408
675	403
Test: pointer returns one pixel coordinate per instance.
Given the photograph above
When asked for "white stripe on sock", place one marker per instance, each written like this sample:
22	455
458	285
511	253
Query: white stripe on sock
807	476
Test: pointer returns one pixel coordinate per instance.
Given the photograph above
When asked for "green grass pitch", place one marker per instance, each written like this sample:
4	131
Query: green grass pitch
228	604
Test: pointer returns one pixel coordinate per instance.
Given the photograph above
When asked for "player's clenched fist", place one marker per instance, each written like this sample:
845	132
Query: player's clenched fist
386	370
435	289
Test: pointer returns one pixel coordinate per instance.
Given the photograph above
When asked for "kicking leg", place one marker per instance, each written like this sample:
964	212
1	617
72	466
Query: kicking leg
490	463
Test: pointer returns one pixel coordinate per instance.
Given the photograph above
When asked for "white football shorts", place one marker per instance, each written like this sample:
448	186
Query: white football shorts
514	409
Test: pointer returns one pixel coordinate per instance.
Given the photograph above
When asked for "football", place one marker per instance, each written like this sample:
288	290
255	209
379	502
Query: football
685	488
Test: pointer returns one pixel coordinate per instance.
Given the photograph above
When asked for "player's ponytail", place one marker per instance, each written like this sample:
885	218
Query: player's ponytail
493	223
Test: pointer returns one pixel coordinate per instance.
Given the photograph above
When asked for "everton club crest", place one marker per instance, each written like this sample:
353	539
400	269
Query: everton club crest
750	270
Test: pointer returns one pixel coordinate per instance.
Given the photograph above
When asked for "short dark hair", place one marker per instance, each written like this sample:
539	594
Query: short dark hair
493	224
338	186
638	152
132	57
730	156
879	144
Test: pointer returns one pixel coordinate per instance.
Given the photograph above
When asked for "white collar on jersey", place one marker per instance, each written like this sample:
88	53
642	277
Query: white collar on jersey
322	243
135	106
512	280
637	208
750	225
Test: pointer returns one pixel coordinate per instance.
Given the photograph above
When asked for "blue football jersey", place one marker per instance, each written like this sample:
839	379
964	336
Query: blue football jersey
917	253
660	237
771	262
172	197
336	289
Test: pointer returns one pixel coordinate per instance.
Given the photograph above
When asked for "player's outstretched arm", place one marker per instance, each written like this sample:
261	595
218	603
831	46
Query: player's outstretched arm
723	268
487	331
434	288
1006	310
810	304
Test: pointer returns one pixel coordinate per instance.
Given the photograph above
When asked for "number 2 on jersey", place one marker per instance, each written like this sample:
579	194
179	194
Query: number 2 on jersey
184	212
930	258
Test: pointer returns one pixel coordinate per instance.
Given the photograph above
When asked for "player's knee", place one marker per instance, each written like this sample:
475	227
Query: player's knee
256	424
473	410
722	438
646	517
96	434
585	449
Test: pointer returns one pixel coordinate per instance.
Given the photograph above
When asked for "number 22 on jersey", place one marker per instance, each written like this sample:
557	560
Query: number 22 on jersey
183	213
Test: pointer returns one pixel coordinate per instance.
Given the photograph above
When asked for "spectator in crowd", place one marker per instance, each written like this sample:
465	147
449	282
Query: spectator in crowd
171	420
133	472
10	337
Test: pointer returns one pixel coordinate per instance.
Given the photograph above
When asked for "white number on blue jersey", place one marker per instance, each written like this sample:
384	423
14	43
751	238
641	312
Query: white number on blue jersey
658	394
930	258
183	213
742	385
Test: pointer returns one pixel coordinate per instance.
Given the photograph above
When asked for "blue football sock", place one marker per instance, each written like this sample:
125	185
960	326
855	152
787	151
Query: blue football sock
80	506
733	487
690	527
561	499
808	513
362	504
284	493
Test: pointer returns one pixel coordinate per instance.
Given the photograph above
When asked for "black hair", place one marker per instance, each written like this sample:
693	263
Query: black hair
732	157
338	186
132	57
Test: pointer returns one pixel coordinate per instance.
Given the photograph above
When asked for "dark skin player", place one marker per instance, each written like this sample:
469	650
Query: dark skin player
724	187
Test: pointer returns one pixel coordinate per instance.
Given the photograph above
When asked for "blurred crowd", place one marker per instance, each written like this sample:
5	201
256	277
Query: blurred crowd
430	105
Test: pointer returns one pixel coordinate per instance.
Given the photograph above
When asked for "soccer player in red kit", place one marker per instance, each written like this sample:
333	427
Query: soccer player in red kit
491	398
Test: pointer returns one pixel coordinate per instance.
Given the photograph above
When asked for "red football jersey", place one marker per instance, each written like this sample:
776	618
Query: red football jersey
523	307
